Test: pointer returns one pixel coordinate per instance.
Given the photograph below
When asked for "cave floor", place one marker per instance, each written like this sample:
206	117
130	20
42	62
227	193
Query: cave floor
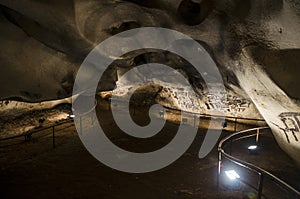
34	170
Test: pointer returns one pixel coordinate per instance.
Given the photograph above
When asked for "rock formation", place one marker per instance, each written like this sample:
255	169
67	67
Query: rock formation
255	44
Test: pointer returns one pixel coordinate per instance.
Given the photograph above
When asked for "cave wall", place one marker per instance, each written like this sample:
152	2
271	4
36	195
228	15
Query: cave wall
255	44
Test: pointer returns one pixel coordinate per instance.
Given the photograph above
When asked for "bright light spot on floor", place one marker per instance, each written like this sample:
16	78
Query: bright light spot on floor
253	147
232	174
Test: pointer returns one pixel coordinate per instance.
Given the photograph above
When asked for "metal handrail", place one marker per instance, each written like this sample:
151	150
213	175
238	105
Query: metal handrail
231	117
28	134
261	172
221	116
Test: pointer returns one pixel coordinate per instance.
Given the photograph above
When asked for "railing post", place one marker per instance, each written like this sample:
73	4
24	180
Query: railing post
235	122
53	137
260	185
219	168
257	135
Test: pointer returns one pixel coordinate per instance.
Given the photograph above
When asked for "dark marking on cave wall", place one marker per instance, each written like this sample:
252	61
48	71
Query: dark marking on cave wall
291	122
193	13
124	26
185	98
231	104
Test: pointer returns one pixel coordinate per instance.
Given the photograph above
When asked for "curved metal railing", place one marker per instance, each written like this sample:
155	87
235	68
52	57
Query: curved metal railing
27	135
261	172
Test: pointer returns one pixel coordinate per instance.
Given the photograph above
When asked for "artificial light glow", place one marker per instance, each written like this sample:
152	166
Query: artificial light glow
253	147
72	116
232	175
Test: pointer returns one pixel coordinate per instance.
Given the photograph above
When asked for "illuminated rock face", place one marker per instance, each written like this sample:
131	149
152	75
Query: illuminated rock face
255	43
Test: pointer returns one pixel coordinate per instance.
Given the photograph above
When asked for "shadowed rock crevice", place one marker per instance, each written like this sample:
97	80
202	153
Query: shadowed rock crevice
193	13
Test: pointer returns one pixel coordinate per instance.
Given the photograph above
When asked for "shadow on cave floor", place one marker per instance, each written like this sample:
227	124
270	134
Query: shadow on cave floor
35	170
